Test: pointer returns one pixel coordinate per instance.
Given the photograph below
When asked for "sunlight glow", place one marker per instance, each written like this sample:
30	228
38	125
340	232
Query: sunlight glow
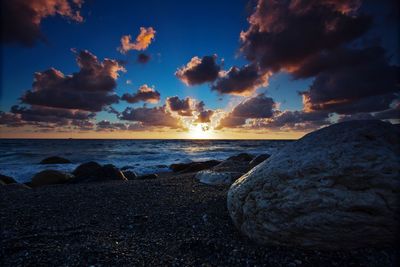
200	131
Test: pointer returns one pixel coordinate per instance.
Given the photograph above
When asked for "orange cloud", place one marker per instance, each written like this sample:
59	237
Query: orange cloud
143	40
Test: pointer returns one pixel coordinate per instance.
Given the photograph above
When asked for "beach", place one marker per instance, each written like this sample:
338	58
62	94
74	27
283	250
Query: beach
170	221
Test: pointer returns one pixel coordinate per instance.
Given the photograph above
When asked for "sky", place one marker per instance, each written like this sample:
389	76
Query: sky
195	69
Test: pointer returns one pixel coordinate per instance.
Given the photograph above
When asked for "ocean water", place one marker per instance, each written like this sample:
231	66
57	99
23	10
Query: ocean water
19	158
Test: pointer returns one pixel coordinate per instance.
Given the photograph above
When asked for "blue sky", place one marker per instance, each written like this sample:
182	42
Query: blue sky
184	29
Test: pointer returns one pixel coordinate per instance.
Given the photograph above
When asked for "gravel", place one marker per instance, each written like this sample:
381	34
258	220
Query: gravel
169	221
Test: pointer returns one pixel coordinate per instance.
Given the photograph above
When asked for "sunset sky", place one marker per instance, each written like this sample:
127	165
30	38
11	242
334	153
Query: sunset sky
195	69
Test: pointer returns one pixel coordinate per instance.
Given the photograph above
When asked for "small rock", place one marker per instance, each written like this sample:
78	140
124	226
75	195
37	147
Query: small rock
7	179
55	160
125	168
49	177
130	175
147	176
110	172
87	170
193	166
215	178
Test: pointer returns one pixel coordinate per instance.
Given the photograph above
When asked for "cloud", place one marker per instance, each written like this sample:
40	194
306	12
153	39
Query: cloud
282	34
256	107
21	19
143	58
143	40
53	115
145	93
199	70
183	107
157	117
10	119
44	117
292	121
90	89
351	81
392	113
241	81
205	116
108	126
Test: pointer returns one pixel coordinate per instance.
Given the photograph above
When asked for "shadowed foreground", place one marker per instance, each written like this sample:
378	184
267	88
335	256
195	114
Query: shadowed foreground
172	220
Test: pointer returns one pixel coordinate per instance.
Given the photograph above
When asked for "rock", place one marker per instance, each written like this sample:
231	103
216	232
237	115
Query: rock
225	172
2	183
49	177
257	160
125	168
130	175
55	160
241	157
215	178
94	172
87	170
335	188
193	166
7	179
110	172
147	176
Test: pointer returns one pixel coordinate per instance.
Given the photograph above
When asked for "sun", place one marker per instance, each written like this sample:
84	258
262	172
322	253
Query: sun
199	131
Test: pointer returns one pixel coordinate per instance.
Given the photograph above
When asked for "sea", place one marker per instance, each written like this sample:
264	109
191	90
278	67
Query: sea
19	158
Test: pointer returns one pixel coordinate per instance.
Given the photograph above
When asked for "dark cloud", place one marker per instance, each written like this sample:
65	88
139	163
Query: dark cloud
10	119
388	114
256	107
83	125
282	34
110	126
199	70
143	58
157	116
183	107
293	121
44	117
21	18
145	94
91	89
54	115
240	81
205	116
351	81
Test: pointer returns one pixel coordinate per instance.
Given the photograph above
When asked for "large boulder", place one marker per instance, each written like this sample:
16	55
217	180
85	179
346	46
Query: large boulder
55	160
335	188
49	177
7	179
